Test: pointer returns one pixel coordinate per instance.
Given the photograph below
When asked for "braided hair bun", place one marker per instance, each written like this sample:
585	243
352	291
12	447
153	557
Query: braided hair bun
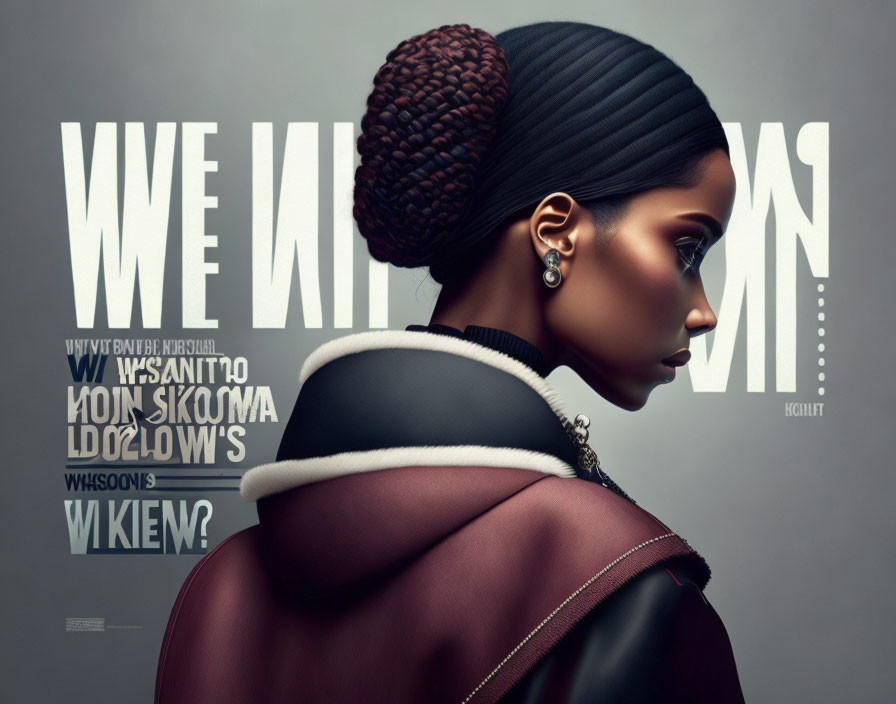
430	120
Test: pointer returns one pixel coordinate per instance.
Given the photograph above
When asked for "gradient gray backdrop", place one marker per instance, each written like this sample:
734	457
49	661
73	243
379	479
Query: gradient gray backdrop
794	515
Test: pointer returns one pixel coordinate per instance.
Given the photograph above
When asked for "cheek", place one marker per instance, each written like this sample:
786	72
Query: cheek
622	308
646	294
655	290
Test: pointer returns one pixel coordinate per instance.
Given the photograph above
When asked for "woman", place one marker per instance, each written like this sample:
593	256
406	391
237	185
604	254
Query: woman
435	528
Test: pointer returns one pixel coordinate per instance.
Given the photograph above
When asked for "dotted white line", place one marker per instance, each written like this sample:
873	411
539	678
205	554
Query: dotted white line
556	611
821	334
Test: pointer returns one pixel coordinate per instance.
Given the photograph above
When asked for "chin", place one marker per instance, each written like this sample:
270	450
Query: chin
629	398
630	403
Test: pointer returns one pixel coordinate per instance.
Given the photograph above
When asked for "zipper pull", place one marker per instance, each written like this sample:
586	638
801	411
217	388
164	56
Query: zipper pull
588	459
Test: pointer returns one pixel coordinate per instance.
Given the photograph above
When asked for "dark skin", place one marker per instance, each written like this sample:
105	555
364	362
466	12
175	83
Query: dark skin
630	300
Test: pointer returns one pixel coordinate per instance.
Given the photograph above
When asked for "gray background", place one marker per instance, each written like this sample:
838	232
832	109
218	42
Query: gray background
794	515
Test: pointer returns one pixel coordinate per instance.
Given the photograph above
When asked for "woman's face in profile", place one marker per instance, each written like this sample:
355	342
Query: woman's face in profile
628	308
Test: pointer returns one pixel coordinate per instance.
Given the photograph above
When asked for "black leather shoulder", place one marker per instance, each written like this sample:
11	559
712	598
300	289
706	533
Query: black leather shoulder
656	639
396	397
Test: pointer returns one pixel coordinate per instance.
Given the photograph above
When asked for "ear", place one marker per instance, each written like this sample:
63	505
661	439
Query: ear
556	223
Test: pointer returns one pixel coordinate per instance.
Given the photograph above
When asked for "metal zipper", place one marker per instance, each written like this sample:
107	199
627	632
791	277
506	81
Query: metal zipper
588	460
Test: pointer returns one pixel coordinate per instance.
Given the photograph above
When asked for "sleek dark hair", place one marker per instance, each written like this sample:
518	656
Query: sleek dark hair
464	129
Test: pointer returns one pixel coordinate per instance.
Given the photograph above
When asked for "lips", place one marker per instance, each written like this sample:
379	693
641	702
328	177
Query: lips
679	359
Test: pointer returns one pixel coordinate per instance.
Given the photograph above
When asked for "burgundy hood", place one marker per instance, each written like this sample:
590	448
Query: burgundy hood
331	539
403	585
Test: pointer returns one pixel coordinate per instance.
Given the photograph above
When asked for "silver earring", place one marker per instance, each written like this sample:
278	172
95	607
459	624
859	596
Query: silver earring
551	275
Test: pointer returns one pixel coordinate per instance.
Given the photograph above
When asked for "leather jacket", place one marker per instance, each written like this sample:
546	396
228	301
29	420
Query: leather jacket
490	553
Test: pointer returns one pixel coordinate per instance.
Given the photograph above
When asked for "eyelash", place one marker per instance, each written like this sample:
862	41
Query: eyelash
690	253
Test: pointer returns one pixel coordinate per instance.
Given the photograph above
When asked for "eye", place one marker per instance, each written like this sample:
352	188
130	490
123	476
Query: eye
691	251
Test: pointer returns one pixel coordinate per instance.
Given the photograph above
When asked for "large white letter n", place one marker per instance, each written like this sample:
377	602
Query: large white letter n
297	229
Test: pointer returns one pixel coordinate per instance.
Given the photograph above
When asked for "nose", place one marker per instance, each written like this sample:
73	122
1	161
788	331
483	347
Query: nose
701	318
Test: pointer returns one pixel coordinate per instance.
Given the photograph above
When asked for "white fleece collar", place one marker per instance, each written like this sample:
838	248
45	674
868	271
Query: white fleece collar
275	477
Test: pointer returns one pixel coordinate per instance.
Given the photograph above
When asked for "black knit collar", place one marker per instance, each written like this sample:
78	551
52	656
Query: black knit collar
496	339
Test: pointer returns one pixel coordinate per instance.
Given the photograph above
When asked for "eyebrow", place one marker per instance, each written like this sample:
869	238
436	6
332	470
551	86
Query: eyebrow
715	227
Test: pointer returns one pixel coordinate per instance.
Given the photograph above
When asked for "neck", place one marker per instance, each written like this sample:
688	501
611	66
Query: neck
504	291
